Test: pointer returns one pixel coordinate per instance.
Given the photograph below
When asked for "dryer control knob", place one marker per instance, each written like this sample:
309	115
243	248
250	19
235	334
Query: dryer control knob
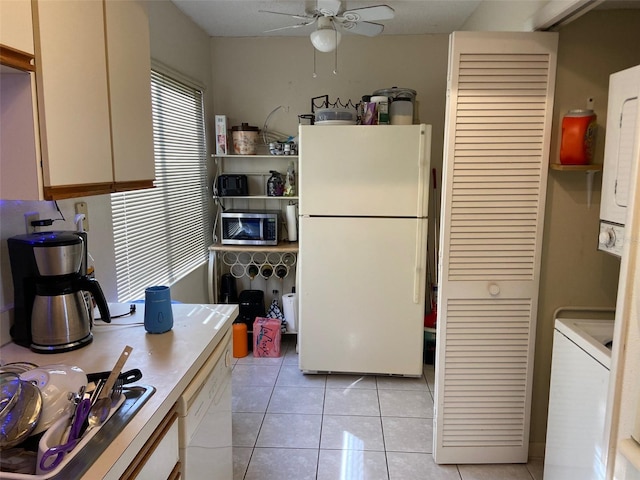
494	289
607	237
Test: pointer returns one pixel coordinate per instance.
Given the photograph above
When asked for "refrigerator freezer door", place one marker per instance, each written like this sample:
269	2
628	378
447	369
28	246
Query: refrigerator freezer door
361	297
364	170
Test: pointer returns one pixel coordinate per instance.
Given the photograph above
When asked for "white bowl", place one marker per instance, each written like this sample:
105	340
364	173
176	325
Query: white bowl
55	382
335	116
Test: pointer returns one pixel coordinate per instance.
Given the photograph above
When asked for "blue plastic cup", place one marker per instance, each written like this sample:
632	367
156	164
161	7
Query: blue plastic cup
158	315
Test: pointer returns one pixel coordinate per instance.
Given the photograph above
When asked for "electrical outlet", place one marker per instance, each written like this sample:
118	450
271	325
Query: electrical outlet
81	207
28	218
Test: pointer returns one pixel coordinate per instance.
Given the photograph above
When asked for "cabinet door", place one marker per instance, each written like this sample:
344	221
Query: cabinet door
16	25
73	100
497	130
21	176
129	60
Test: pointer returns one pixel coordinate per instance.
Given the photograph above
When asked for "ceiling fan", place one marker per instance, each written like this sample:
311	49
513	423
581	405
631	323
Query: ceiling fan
330	21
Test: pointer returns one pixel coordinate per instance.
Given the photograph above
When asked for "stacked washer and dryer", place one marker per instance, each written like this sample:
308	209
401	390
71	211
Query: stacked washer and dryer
581	358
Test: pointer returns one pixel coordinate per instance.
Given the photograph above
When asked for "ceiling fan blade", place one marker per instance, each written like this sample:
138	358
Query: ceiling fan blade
378	12
363	28
297	25
292	15
328	8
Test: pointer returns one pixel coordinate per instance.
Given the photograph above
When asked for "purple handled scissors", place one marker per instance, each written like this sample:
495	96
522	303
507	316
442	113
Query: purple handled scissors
59	451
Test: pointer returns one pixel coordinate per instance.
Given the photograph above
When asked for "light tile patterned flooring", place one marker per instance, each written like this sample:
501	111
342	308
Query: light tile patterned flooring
291	426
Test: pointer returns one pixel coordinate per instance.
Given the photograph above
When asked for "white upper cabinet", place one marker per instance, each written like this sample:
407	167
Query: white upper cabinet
73	95
129	64
20	175
16	25
93	86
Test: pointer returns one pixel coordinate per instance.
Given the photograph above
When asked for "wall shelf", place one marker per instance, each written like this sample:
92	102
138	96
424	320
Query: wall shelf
281	247
247	263
254	197
292	157
590	170
575	168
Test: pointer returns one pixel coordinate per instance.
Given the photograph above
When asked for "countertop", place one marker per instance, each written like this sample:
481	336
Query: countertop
168	362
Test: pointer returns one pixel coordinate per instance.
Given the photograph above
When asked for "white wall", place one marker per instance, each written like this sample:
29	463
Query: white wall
252	76
503	16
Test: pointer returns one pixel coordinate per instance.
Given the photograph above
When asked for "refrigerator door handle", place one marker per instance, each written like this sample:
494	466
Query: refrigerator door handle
423	192
418	269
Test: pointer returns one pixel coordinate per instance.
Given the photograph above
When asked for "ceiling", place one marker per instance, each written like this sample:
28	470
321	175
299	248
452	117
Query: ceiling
242	18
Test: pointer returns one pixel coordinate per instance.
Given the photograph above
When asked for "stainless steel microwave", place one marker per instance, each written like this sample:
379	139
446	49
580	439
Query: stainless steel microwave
250	227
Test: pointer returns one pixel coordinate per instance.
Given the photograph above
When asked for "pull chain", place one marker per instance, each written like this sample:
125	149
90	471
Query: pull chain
335	57
314	63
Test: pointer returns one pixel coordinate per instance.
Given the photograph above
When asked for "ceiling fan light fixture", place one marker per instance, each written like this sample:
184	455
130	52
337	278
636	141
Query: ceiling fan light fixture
326	38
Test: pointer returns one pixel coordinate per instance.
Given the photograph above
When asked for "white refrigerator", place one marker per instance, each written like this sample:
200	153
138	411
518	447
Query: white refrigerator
364	194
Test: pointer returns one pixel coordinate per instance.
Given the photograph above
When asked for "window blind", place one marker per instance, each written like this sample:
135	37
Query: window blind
162	234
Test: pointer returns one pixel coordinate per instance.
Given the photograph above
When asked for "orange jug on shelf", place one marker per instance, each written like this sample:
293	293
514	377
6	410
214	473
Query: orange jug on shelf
578	137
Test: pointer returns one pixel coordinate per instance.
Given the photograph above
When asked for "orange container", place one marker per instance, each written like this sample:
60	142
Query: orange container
578	137
240	340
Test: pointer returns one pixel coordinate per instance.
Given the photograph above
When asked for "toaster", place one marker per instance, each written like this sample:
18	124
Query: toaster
232	185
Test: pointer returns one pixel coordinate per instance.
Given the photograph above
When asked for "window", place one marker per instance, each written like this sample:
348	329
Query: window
162	234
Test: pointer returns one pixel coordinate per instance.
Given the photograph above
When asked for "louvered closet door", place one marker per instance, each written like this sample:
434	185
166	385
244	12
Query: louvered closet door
499	108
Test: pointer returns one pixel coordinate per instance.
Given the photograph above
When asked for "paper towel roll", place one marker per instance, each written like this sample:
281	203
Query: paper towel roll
292	216
290	307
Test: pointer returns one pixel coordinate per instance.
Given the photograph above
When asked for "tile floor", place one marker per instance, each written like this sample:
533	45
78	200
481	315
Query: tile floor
290	426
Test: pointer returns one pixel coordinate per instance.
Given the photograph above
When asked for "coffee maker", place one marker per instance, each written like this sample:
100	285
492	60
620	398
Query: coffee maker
52	312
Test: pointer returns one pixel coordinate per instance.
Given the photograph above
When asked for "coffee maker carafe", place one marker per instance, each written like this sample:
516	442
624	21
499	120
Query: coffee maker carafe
52	312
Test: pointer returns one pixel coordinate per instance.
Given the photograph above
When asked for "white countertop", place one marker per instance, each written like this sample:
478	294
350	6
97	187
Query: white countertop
168	362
